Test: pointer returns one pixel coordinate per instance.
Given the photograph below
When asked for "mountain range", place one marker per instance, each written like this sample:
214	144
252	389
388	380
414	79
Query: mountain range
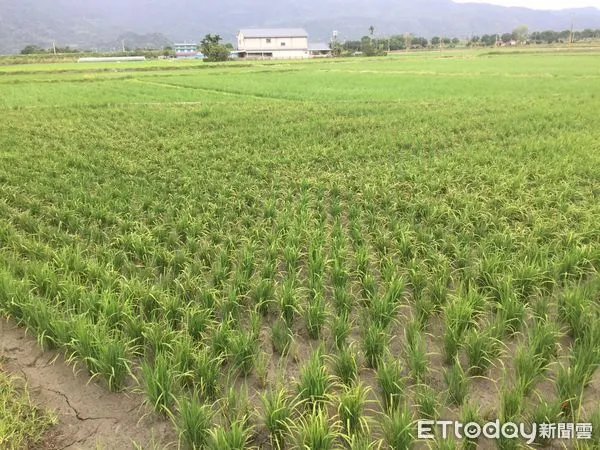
98	24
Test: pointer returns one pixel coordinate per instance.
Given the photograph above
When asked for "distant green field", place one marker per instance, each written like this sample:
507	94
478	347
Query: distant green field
313	254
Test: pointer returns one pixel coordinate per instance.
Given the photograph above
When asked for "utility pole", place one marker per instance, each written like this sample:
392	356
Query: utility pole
123	45
571	35
54	47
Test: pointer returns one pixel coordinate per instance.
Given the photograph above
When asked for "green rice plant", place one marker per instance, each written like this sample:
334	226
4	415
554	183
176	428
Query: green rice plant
159	384
362	261
427	402
281	337
388	269
398	429
511	403
417	278
382	311
240	284
289	302
406	247
391	383
340	330
314	383
528	368
577	311
193	421
374	344
543	340
197	320
268	268
595	421
84	344
469	414
262	295
345	366
449	443
540	309
277	415
158	339
481	348
315	316
219	273
230	306
315	431
207	299
246	259
416	357
112	309
219	340
291	256
172	311
423	310
351	409
361	442
207	372
459	317
236	436
235	404
457	382
511	313
316	265
439	289
183	358
545	412
396	288
133	329
112	362
367	282
39	317
412	333
243	348
262	365
342	300
570	383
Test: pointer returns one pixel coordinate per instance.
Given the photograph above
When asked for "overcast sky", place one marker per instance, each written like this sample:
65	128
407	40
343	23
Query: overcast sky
539	4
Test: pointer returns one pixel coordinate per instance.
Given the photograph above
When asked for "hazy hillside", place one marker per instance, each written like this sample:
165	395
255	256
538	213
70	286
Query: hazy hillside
98	23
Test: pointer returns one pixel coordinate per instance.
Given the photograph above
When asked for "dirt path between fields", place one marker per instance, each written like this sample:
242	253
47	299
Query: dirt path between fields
89	416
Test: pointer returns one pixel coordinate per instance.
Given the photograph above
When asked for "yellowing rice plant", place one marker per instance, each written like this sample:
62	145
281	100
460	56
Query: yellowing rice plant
318	254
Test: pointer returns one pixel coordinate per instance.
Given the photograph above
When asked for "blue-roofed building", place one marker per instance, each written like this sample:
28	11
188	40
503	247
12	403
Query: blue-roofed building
187	50
319	50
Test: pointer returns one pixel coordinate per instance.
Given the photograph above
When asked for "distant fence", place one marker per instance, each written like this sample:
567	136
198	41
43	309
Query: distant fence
112	59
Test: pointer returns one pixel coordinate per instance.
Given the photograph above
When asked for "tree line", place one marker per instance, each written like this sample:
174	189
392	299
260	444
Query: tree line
370	45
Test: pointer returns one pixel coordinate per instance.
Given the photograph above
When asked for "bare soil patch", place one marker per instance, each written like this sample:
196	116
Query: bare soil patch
89	416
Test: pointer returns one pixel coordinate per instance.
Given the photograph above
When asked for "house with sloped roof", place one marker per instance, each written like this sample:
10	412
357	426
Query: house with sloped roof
276	43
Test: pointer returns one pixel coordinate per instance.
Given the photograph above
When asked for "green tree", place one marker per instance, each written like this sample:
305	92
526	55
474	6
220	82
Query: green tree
488	39
213	50
336	48
435	41
32	50
507	37
521	33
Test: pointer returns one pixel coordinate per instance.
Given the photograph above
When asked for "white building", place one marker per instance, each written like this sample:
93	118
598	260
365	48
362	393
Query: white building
277	43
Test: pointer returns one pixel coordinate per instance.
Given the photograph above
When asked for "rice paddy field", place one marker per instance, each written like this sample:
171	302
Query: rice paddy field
313	255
